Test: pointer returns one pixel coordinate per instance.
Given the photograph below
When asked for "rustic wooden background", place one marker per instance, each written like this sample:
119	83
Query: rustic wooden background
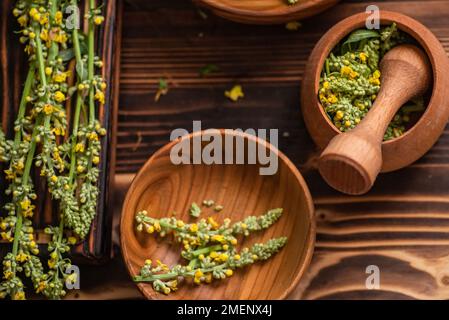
402	225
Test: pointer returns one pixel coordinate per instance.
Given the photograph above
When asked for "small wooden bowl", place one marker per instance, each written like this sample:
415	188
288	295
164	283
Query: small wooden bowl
265	11
414	143
161	187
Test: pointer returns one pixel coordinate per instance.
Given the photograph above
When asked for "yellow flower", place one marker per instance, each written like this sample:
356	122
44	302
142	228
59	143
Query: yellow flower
339	115
229	272
58	17
103	85
32	12
212	222
208	278
61	37
19	165
223	257
80	169
93	136
235	93
362	56
292	25
326	84
3	225
23	20
44	19
149	229
9	174
60	77
234	242
99	95
98	20
54	179
32	35
201	257
213	254
237	257
21	257
217	238
48	109
353	75
19	296
25	204
79	147
345	70
347	123
71	240
41	287
180	224
58	131
44	35
37	17
194	227
157	226
59	96
48	71
96	160
225	247
148	262
244	226
51	263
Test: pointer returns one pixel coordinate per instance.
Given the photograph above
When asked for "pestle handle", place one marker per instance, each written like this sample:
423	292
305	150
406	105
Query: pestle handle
352	160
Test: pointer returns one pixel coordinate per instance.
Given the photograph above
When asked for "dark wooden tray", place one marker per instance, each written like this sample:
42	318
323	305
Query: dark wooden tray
402	225
97	246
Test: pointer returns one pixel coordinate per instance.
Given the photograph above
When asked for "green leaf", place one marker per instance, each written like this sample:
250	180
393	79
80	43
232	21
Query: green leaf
208	69
81	70
66	55
195	210
357	36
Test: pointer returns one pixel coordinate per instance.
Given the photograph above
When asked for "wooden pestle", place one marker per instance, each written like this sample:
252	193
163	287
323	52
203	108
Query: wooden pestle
352	160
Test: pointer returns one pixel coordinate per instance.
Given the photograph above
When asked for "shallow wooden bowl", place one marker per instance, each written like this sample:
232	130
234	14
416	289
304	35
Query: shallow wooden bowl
414	143
161	187
265	11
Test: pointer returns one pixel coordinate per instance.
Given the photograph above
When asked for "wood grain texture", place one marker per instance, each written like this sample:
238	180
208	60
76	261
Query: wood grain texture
161	187
401	225
265	11
98	245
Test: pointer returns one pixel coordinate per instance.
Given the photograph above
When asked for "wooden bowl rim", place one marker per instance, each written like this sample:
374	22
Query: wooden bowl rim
309	243
385	18
288	9
272	16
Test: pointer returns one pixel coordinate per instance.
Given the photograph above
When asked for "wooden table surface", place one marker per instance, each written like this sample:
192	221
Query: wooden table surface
401	225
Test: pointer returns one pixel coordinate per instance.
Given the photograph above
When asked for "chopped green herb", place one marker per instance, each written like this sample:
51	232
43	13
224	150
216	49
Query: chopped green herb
351	79
195	210
208	69
208	203
162	89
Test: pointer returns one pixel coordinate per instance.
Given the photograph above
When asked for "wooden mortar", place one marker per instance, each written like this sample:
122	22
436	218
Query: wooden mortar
415	142
265	11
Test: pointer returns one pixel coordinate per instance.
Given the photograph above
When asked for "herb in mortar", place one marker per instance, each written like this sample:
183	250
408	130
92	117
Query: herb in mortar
351	79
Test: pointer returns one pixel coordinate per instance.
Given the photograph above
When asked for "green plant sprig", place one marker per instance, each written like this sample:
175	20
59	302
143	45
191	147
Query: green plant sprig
209	248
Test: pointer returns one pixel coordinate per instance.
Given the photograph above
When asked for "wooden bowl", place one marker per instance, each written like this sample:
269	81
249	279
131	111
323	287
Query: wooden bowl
265	11
415	142
161	187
